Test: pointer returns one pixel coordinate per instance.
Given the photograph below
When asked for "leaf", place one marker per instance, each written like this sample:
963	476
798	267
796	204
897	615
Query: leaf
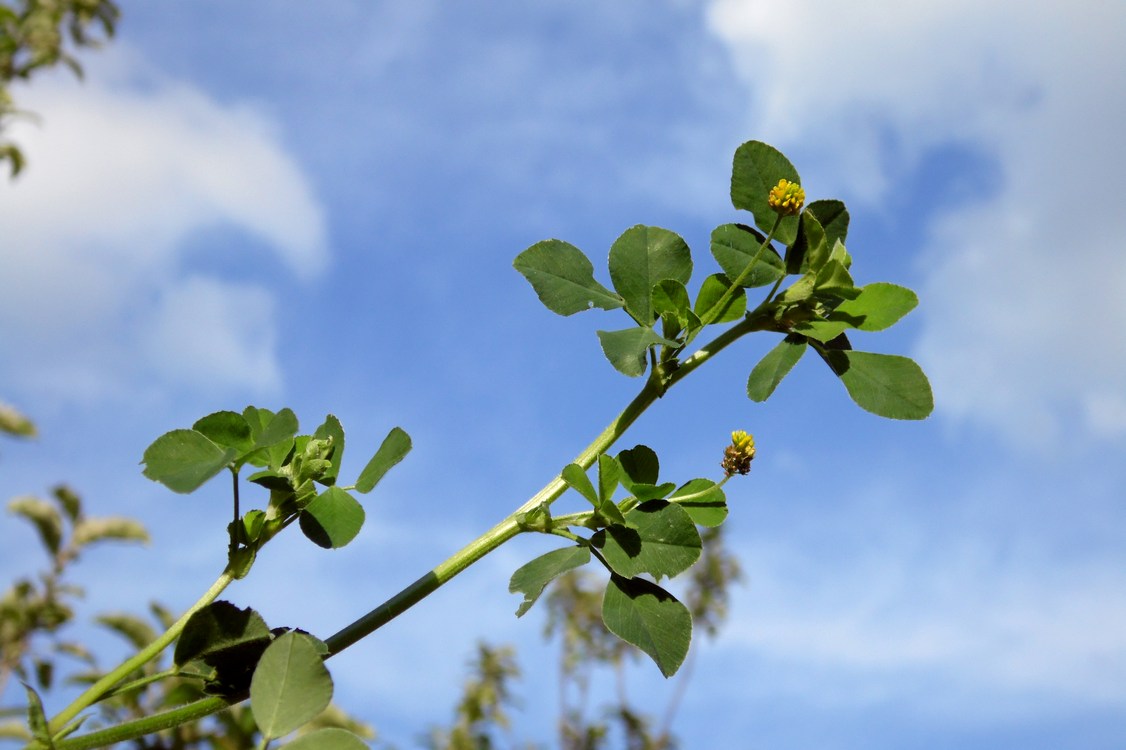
227	429
734	246
531	578
290	686
833	218
130	627
609	476
277	428
44	517
626	349
563	278
37	720
332	519
12	422
703	500
775	366
878	306
661	540
884	384
644	614
69	501
332	429
810	250
182	460
220	629
391	451
641	258
670	302
711	292
756	169
327	738
640	464
577	480
91	530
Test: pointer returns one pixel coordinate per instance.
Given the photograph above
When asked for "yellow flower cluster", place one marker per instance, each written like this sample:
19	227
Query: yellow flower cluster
737	456
786	198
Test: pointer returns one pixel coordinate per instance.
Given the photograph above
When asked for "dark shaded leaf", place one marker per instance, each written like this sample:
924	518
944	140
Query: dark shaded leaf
332	518
644	614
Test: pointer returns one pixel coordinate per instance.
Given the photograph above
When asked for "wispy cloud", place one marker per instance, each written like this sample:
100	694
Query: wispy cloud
122	171
1019	283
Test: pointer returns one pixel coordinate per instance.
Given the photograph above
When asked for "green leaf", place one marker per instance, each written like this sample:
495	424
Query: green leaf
772	368
822	330
69	501
563	278
327	738
884	384
577	480
644	614
640	259
711	292
833	218
734	246
609	476
227	429
37	720
218	630
626	349
12	422
704	500
531	578
640	464
394	448
332	429
44	518
130	627
878	306
290	686
834	279
92	530
661	540
332	519
810	250
182	460
756	169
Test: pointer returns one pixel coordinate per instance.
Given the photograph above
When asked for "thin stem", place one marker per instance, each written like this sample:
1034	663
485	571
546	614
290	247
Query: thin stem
98	690
233	547
148	725
736	283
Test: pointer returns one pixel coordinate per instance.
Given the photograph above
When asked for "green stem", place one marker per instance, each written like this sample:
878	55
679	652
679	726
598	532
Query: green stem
146	726
99	689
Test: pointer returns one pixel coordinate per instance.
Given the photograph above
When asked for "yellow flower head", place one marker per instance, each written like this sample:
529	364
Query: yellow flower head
737	456
786	198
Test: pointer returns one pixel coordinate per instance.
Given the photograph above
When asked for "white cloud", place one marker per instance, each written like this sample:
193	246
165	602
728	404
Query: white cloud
1021	287
122	171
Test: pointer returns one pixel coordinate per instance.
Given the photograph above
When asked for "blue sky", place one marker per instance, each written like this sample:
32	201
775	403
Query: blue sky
317	206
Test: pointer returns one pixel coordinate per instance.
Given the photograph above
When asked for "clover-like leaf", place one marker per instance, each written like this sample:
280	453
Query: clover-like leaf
531	578
626	349
711	297
563	278
332	518
877	306
291	685
735	246
228	429
661	540
775	366
392	450
756	169
888	385
641	258
703	500
182	460
644	614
